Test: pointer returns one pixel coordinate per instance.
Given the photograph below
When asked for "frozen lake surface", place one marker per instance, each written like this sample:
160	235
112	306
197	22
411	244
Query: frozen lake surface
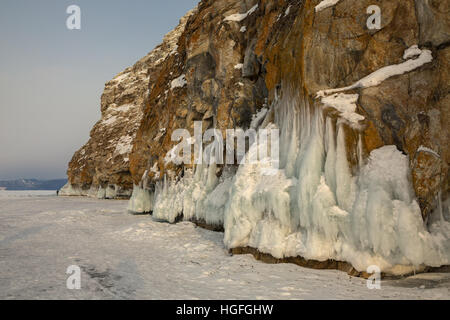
123	256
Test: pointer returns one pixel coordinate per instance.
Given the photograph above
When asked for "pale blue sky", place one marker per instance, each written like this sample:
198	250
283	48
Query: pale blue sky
51	78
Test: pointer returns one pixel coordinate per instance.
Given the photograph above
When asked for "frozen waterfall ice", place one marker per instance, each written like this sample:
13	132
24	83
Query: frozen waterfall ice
317	205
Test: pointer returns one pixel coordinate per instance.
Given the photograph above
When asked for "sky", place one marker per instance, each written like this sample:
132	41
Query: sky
52	78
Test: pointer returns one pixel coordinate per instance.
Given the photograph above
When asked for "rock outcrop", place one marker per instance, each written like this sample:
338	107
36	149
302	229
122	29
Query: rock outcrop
101	168
363	118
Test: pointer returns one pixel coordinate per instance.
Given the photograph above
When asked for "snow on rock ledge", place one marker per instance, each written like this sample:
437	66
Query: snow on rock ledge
238	17
326	4
377	77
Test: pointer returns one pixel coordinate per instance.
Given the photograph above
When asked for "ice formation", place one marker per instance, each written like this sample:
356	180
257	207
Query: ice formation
315	206
110	192
258	118
318	209
141	200
199	196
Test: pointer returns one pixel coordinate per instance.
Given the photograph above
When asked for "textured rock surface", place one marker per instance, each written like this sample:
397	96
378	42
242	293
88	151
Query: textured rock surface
235	57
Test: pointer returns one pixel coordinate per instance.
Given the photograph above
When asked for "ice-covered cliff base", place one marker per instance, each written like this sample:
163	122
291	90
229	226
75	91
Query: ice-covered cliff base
317	206
109	192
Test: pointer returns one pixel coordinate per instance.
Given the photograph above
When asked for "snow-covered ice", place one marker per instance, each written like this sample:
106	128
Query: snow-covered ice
110	192
317	208
200	195
141	201
123	256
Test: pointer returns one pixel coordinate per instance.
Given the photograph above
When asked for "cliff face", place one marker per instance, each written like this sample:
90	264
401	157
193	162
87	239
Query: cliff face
308	51
363	119
101	168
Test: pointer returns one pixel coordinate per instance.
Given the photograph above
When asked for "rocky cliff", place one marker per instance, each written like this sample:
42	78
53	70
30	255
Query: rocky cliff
362	116
101	168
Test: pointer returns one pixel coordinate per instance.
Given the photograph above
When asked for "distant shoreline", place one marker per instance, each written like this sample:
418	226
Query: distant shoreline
27	193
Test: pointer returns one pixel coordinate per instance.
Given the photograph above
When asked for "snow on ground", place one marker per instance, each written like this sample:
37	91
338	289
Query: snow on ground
123	256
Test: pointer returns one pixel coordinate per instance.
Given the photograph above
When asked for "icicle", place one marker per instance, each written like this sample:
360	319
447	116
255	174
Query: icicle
360	151
441	212
330	163
101	194
344	181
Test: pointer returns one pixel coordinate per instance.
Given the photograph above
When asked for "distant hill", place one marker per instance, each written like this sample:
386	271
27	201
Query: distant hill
32	184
